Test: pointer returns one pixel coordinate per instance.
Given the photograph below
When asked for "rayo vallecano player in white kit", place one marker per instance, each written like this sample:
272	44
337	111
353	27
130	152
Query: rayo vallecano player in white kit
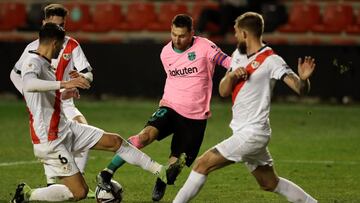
56	138
254	69
70	57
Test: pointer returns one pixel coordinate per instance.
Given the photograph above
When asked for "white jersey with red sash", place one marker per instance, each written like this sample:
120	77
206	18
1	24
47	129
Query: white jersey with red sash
46	118
71	52
70	57
46	115
251	98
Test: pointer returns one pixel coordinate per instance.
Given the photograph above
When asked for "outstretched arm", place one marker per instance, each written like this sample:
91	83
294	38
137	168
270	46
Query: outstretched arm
33	84
301	84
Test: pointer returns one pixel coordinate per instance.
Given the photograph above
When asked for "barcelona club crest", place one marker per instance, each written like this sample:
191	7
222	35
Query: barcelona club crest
191	56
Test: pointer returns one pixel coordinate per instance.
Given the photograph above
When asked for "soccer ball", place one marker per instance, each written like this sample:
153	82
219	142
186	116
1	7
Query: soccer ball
113	196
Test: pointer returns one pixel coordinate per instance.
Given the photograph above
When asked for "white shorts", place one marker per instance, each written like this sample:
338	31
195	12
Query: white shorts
69	109
247	147
58	155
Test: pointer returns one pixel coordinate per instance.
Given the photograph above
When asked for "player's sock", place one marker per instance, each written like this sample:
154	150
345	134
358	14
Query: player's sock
292	192
104	177
136	157
56	192
117	161
192	186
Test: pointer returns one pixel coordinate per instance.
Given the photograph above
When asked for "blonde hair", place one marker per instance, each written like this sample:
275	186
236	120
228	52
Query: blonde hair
55	10
252	22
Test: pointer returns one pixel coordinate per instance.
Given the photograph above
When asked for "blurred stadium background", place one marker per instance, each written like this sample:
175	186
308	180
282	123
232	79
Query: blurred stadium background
316	145
122	39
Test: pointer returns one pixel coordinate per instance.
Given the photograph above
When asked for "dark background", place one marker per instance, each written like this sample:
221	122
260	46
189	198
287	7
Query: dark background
135	70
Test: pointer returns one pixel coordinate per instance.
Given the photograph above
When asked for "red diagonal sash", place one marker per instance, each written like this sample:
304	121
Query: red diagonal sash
63	63
250	68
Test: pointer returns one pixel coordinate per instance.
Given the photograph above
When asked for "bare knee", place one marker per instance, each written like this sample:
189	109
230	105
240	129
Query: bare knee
80	193
112	141
210	161
268	185
201	165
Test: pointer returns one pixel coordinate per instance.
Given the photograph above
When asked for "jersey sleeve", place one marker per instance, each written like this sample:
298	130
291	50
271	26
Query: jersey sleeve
80	61
30	74
217	56
18	65
30	65
30	47
279	67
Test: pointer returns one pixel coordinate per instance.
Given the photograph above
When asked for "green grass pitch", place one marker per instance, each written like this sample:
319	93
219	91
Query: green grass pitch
315	146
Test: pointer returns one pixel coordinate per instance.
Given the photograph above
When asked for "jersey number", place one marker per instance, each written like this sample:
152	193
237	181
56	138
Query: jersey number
63	160
158	114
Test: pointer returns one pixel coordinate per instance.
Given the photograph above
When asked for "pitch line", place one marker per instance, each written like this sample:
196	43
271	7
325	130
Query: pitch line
318	162
16	163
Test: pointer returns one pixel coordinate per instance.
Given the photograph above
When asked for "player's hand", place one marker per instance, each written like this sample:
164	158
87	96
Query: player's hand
74	74
239	74
306	67
70	93
78	82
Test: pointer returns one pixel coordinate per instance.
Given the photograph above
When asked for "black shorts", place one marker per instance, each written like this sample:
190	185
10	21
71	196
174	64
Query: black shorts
187	133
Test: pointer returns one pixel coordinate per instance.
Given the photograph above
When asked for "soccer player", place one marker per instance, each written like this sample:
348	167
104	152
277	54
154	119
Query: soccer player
56	138
189	62
254	68
70	57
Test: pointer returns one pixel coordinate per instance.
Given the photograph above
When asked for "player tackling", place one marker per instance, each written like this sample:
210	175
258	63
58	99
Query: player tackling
55	138
72	61
254	68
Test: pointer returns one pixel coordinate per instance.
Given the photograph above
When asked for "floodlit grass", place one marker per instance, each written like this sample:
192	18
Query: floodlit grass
315	146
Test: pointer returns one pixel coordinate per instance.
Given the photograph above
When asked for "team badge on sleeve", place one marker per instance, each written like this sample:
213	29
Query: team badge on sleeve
67	56
191	56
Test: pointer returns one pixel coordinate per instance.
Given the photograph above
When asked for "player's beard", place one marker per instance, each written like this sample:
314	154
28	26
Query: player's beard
242	47
181	46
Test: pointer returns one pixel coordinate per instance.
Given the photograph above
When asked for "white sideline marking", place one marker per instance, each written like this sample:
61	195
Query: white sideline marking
319	162
16	163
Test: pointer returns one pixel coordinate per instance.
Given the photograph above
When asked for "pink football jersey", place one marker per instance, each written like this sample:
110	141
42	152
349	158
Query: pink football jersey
188	86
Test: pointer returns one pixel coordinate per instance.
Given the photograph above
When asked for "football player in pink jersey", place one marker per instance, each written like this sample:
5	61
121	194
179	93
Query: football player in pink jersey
71	56
55	138
189	62
254	68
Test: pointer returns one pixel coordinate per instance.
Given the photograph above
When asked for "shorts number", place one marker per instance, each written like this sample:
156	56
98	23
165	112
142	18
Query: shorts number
158	114
63	160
